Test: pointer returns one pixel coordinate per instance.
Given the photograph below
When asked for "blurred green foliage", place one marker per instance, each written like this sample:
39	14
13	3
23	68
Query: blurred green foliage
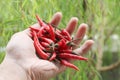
2	55
102	17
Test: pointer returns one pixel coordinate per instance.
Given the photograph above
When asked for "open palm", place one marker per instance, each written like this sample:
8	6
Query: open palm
21	49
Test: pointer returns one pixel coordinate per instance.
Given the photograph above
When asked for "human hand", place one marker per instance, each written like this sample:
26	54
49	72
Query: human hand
21	49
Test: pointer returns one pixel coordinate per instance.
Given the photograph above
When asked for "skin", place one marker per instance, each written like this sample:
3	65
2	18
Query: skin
21	62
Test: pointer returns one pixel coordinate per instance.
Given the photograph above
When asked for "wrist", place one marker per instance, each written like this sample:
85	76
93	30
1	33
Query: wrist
10	70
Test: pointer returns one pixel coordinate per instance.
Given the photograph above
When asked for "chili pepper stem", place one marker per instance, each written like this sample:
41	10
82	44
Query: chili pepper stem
54	44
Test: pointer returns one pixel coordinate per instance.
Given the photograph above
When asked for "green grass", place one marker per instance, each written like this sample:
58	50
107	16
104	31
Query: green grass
102	16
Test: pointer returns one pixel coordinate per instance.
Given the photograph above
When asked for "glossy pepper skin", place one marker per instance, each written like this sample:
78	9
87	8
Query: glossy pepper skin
71	56
54	44
38	48
68	64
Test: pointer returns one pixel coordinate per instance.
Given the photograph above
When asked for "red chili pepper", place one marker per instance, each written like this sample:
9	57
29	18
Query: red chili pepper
71	56
44	44
59	36
66	34
51	31
39	51
68	64
54	44
34	29
36	40
66	51
41	23
61	44
53	56
40	33
49	41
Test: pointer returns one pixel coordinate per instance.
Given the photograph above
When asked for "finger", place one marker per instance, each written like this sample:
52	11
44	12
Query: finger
80	33
56	19
84	48
71	25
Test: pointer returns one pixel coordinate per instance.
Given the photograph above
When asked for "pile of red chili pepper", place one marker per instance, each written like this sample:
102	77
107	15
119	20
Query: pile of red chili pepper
54	44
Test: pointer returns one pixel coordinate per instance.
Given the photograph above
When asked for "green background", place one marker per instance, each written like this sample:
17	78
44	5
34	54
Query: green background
102	17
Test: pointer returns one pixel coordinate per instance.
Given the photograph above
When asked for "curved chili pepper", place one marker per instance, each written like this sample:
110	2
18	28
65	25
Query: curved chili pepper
40	33
41	23
71	56
59	36
44	44
66	51
37	45
66	34
49	41
68	64
34	29
53	56
61	44
37	41
51	31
